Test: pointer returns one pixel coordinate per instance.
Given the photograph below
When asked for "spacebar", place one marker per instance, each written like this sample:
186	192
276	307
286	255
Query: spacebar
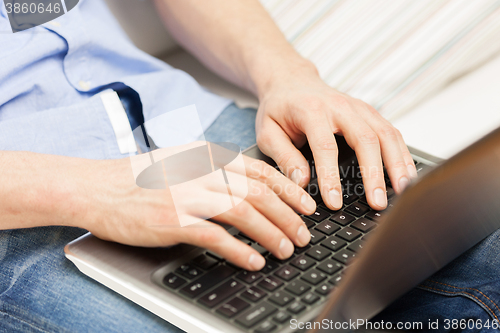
207	281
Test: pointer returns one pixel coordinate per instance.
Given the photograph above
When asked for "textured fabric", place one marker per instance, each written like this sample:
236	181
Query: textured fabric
466	289
50	73
42	291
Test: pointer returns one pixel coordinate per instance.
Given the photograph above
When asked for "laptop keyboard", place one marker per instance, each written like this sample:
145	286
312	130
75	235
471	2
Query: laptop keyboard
267	300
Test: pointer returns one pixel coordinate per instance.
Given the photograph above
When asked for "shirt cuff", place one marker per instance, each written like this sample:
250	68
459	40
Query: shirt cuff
119	122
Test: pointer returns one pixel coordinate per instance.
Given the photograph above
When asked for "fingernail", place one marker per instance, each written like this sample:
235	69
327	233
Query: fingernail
308	203
380	197
403	183
297	176
256	262
286	248
335	199
303	235
412	171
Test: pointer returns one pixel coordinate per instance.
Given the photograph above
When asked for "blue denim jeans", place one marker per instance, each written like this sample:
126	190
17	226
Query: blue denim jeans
42	291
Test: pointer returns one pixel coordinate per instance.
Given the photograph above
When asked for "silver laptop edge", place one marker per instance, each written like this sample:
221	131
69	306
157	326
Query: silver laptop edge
129	273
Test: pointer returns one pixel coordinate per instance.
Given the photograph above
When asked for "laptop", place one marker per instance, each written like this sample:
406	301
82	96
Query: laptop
358	262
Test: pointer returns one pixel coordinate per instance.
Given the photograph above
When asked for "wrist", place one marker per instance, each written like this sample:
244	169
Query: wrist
283	71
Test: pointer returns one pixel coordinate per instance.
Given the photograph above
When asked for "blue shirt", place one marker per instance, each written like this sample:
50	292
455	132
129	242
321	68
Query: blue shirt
51	75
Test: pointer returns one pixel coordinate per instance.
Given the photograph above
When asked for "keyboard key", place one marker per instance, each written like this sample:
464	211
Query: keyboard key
359	189
204	262
298	287
296	307
265	327
334	243
349	234
302	262
342	218
279	261
363	200
363	225
319	215
189	271
256	314
220	293
259	249
173	281
254	294
310	298
314	277
270	266
215	256
390	192
316	237
249	277
299	250
324	289
243	239
286	273
245	236
374	215
330	267
327	227
270	283
422	169
344	256
356	246
357	209
207	281
281	317
233	307
318	252
335	280
309	223
349	198
281	298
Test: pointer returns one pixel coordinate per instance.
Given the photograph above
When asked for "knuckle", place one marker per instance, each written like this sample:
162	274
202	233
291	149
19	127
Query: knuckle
211	236
342	102
263	139
388	132
327	144
400	164
284	158
242	209
368	138
376	173
313	104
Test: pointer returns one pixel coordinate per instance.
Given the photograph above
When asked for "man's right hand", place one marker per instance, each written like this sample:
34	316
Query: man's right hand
116	209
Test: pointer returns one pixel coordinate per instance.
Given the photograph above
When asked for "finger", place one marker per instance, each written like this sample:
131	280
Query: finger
366	144
325	152
392	154
410	164
275	143
274	210
247	219
292	194
268	203
215	238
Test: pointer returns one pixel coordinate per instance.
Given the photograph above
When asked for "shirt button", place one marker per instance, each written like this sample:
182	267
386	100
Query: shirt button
54	23
84	85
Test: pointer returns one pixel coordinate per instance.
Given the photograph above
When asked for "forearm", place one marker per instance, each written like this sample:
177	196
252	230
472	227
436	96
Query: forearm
40	190
236	39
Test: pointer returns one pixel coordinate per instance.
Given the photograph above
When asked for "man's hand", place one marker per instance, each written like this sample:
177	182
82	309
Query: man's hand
297	106
128	214
239	41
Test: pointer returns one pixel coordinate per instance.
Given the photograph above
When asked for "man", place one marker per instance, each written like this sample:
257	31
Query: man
62	164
